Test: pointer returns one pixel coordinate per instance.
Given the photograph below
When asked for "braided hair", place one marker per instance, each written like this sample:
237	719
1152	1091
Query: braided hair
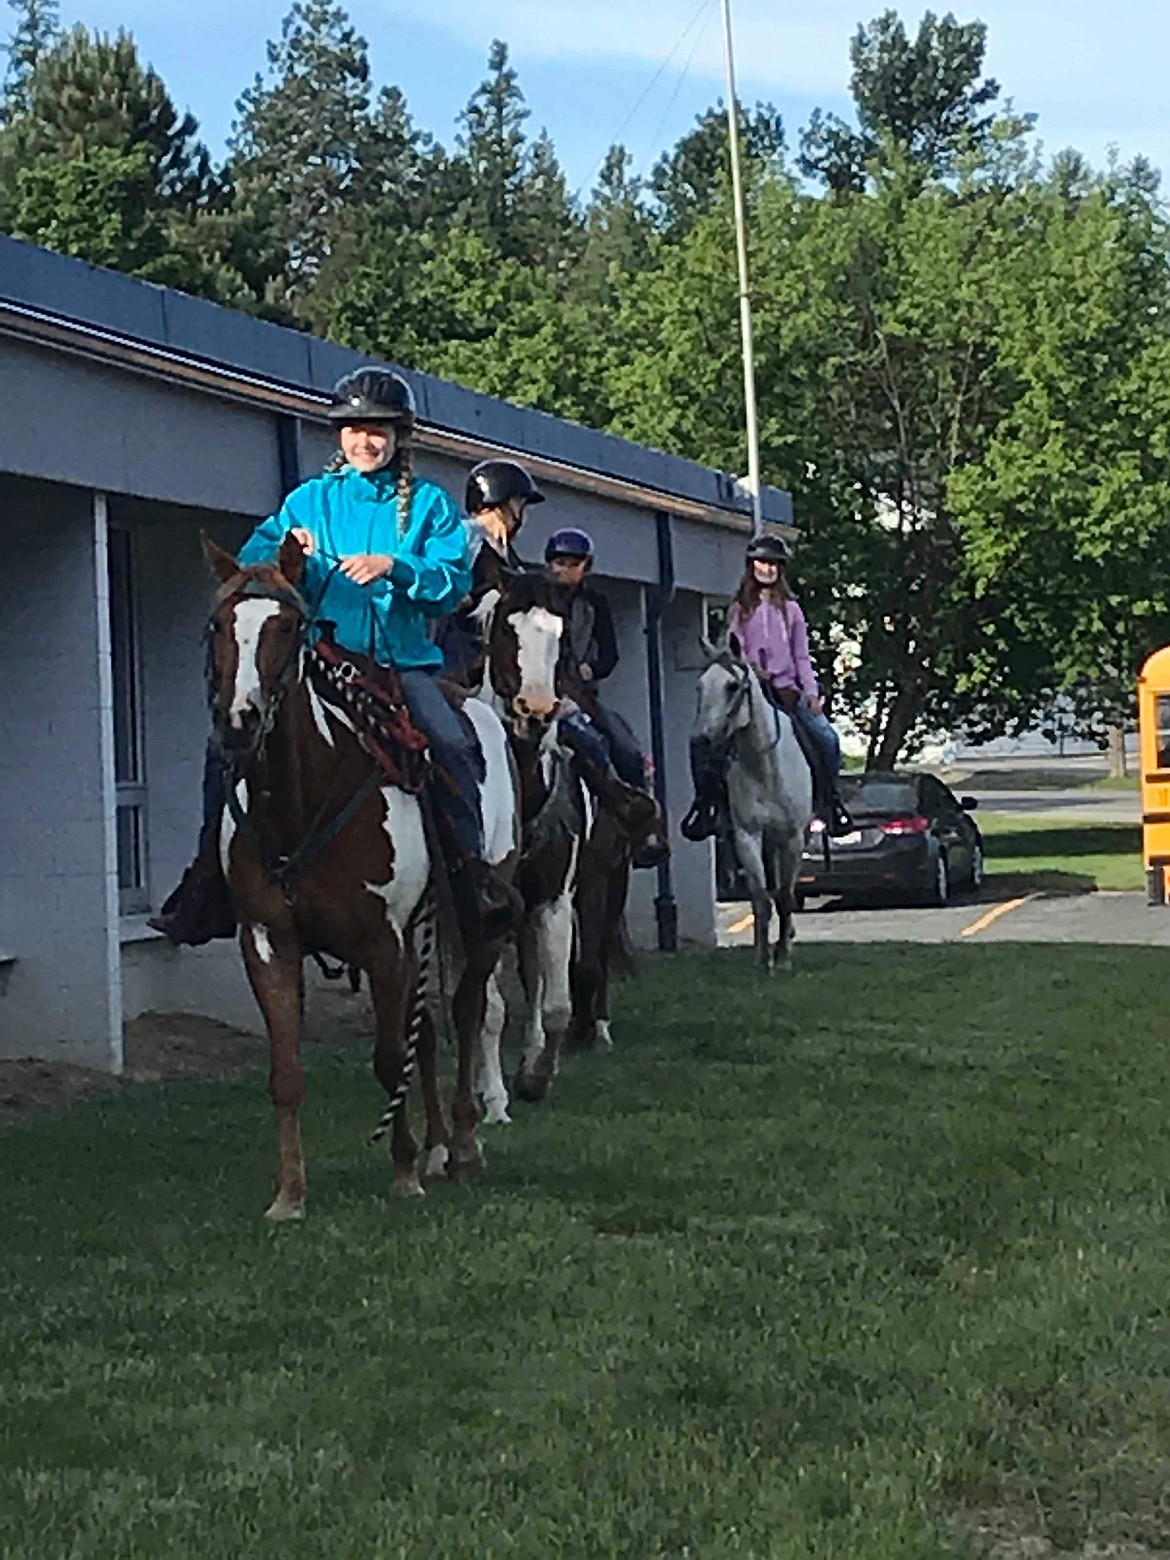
401	464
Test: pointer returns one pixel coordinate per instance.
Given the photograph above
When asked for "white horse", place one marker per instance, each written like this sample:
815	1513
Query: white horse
769	788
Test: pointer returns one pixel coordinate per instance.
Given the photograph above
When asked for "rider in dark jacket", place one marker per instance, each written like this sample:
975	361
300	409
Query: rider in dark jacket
498	493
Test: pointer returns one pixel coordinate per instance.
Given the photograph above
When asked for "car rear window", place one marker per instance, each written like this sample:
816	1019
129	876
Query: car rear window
880	796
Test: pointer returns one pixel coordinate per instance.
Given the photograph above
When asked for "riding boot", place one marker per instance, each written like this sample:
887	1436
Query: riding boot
702	818
497	904
202	907
635	810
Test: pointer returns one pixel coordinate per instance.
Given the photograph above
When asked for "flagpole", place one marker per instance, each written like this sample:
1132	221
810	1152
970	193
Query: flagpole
745	298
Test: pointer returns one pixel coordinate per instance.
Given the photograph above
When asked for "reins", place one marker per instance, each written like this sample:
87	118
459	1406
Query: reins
323	830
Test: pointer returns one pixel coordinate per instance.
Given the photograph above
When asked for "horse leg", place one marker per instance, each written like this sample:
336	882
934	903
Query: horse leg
491	1086
611	947
749	849
586	976
553	947
787	870
471	998
437	1147
273	963
399	1013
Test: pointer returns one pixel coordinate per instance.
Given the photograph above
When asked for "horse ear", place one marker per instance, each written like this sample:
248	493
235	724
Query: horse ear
710	653
290	560
735	646
223	565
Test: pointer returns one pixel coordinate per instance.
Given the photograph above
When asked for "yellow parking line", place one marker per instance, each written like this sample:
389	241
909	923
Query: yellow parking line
741	925
994	914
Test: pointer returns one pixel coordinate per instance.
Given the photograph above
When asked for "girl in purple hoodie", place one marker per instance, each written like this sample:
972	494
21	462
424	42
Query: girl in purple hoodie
769	628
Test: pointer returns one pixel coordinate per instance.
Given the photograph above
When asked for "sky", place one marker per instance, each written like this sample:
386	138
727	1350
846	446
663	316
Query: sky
595	71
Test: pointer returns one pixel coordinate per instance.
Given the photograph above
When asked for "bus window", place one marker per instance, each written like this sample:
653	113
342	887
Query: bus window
1162	713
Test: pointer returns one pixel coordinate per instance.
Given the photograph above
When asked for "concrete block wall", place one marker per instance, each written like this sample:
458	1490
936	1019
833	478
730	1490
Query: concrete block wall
58	866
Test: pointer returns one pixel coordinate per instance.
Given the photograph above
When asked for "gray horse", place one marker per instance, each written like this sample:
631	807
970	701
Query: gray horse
769	789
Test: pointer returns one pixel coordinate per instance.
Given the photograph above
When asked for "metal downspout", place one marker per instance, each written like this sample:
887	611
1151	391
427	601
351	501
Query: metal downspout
288	451
657	600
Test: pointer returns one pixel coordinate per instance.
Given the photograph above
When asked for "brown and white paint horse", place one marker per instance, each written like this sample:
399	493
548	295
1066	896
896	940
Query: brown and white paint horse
362	898
603	883
523	623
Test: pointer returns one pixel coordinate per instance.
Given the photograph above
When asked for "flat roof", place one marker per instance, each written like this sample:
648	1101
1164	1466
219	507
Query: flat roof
84	307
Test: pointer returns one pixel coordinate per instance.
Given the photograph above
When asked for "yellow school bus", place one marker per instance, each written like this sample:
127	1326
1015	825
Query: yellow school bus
1154	723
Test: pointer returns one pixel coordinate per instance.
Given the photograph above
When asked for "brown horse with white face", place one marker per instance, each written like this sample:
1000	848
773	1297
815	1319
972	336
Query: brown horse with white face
323	856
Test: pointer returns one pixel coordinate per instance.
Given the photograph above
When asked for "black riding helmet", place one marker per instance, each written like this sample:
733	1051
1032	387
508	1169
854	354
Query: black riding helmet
495	482
768	549
372	395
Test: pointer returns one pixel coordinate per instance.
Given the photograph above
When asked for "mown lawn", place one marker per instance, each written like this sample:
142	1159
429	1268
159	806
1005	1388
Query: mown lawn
1028	852
820	1268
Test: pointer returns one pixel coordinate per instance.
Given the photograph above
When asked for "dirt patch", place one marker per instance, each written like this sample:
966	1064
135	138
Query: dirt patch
1001	1534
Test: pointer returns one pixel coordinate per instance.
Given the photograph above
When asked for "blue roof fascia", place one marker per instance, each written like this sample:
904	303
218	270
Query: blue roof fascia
86	295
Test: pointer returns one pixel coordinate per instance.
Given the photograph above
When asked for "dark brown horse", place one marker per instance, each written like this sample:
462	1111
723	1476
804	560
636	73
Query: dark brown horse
323	856
603	883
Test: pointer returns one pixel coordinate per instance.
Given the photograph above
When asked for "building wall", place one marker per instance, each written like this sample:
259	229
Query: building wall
58	870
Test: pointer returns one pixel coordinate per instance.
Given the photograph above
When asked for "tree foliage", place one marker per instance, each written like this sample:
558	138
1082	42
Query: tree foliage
962	349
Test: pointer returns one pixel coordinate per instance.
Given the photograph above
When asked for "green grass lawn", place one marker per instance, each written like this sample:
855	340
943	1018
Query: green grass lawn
1031	853
811	1269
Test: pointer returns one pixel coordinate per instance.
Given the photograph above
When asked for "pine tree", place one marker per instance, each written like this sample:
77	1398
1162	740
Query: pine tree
304	141
90	91
36	30
493	148
687	182
617	241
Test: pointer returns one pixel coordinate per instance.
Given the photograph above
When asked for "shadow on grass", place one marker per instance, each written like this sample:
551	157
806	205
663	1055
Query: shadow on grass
1008	885
1118	839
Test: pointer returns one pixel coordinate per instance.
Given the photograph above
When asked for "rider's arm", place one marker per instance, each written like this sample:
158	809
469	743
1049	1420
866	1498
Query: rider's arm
264	543
435	570
806	678
604	638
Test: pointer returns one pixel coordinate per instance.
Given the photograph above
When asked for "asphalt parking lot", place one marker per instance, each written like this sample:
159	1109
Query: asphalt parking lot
992	915
1043	918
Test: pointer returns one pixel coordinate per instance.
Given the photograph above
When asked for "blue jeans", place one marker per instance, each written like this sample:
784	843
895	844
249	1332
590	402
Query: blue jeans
454	749
582	737
823	733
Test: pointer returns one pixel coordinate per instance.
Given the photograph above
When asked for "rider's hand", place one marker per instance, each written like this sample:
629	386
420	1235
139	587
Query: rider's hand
586	672
815	704
305	538
365	568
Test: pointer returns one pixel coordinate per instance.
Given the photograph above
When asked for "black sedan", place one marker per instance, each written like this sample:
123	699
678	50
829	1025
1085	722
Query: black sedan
914	840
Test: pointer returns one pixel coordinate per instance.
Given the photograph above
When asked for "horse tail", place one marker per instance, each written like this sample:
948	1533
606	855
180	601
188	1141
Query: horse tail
422	932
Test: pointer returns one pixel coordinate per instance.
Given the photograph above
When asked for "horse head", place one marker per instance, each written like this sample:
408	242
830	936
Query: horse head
255	632
523	621
724	696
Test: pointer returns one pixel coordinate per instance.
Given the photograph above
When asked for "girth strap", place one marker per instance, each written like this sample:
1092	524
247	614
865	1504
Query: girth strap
320	834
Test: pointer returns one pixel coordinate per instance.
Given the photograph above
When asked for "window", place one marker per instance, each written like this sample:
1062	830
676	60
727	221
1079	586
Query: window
128	766
1162	712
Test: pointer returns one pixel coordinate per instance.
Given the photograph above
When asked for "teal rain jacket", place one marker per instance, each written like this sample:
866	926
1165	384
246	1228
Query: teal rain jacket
349	513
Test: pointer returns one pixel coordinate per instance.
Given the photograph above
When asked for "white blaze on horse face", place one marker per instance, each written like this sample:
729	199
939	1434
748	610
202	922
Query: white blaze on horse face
538	642
251	617
411	866
496	793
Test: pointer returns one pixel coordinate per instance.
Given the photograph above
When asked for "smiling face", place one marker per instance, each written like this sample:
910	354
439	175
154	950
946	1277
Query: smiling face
368	446
765	573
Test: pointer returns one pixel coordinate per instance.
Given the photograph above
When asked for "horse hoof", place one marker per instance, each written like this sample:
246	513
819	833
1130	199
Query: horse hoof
407	1184
468	1165
602	1035
435	1162
532	1087
285	1210
495	1114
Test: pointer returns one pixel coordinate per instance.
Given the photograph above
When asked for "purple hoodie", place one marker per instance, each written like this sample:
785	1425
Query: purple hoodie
778	648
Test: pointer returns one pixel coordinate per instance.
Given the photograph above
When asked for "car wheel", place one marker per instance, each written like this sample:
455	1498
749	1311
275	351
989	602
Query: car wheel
978	868
938	890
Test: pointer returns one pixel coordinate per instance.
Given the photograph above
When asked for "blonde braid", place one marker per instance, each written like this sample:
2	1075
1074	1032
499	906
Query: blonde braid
336	462
405	489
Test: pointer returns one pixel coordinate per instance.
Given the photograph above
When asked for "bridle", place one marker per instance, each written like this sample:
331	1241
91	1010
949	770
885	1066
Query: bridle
251	588
745	676
323	829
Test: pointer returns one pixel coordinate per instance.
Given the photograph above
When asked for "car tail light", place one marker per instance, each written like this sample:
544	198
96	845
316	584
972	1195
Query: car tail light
817	826
916	825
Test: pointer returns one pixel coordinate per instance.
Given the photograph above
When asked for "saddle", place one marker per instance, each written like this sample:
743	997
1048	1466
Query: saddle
371	695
